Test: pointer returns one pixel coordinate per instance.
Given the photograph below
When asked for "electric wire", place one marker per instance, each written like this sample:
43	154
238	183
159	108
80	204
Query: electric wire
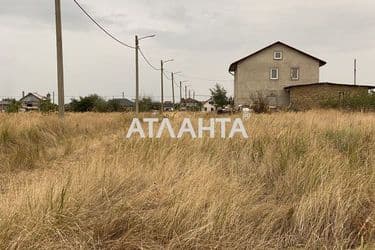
146	60
166	76
101	27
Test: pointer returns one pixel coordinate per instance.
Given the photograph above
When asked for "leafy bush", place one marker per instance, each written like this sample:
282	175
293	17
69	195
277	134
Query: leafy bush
145	105
88	104
46	106
114	106
13	107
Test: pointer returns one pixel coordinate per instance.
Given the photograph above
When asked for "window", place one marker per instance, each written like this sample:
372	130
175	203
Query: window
294	73
278	55
274	74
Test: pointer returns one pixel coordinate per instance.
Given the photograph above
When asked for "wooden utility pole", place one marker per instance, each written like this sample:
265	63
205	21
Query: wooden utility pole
162	85
136	75
173	90
355	71
180	92
185	92
60	60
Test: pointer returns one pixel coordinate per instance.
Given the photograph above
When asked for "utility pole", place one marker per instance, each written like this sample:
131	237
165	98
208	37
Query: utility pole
60	60
194	95
180	91
137	70
173	90
355	71
189	94
162	85
53	97
185	91
162	81
136	75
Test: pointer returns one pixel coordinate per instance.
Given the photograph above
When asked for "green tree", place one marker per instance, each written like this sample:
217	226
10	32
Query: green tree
231	101
114	106
219	96
88	104
46	106
13	107
145	105
100	105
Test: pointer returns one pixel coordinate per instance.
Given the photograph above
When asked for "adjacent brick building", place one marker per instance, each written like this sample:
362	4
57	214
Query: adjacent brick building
308	96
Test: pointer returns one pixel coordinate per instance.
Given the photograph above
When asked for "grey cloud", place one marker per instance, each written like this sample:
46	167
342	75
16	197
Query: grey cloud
42	13
203	37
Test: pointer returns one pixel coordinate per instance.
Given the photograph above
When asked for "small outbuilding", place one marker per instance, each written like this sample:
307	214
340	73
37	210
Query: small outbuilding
4	104
312	95
208	106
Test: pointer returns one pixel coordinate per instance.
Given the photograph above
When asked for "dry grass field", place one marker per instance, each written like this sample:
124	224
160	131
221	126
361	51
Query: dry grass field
302	180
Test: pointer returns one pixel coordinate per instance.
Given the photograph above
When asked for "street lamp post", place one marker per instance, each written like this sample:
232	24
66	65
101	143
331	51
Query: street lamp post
162	82
137	70
172	75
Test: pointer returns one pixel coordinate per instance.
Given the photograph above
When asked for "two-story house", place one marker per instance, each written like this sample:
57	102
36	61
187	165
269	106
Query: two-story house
32	101
270	70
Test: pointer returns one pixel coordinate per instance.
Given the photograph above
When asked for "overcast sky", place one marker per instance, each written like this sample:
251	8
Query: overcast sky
203	37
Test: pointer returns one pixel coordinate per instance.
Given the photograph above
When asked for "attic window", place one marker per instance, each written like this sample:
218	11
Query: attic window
277	55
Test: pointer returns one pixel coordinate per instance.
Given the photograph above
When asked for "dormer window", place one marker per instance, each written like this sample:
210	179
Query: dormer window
277	55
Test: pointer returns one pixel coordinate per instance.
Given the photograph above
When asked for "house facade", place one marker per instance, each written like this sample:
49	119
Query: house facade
208	106
32	101
270	70
4	104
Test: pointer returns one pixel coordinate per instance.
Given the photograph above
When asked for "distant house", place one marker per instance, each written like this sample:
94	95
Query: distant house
191	104
208	106
32	101
4	104
125	104
168	106
307	96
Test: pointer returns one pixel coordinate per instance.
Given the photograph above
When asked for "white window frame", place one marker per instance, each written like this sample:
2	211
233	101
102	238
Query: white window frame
278	58
291	73
277	74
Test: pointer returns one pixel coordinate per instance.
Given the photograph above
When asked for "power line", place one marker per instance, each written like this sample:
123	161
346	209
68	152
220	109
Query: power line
166	76
101	27
147	61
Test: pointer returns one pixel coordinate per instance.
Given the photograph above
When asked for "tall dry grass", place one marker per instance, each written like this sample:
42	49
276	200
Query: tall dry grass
302	180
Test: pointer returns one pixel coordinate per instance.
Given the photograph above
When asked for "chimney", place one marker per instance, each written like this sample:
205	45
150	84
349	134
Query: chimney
23	94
